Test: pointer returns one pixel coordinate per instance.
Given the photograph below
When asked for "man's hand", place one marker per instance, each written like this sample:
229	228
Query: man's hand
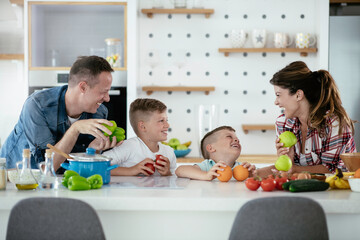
100	145
163	166
93	127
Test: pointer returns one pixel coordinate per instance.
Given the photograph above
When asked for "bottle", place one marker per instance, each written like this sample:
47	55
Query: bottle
3	178
113	51
26	180
48	179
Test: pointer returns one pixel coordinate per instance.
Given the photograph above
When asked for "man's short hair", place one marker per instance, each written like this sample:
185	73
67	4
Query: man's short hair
142	108
209	138
87	68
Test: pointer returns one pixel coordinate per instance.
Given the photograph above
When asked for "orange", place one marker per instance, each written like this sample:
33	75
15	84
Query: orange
240	173
357	173
225	175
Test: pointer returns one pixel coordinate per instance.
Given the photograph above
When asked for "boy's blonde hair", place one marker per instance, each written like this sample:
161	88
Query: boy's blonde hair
210	138
142	108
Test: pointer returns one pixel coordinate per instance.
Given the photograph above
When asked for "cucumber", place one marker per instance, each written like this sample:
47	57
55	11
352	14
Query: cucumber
286	185
308	186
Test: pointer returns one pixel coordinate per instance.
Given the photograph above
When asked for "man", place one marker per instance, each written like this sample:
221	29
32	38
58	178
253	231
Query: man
69	117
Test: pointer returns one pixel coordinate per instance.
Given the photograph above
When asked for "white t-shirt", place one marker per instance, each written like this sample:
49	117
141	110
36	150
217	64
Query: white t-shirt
134	150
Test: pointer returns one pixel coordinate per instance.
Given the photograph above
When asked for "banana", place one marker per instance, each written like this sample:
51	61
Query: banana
331	181
187	144
341	183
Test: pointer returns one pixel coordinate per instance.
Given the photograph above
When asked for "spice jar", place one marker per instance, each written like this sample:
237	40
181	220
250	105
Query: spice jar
3	178
113	51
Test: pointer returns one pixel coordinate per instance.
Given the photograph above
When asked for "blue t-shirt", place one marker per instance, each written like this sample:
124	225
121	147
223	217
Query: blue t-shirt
43	120
207	164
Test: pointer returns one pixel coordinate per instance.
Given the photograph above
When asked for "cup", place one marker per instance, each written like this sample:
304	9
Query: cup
238	38
179	3
157	4
282	40
304	40
198	4
259	38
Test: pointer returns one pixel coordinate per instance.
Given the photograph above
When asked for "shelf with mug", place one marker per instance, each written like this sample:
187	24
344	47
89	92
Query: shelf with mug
150	89
11	56
151	11
62	68
303	51
251	127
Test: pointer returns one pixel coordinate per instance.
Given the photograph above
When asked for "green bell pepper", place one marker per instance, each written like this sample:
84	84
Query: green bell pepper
78	183
111	128
119	133
67	175
95	181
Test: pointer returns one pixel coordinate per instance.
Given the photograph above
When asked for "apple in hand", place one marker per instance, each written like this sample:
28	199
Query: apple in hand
158	158
283	163
288	139
151	166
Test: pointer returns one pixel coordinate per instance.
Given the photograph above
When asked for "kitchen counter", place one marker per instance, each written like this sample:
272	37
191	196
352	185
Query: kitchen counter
179	208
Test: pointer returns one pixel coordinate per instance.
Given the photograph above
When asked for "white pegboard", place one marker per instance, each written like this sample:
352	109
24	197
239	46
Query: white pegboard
243	93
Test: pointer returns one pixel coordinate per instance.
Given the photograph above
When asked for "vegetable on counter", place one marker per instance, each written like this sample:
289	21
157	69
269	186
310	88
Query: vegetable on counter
74	182
78	183
95	181
305	185
67	175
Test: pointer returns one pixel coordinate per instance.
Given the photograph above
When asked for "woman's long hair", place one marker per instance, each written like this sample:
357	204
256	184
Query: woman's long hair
320	90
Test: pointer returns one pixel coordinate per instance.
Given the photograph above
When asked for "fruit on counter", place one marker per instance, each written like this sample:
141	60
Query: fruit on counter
280	181
288	139
339	180
252	183
151	166
174	142
95	181
268	184
187	144
67	175
240	173
165	143
111	128
181	147
119	133
357	173
78	183
225	175
308	185
283	163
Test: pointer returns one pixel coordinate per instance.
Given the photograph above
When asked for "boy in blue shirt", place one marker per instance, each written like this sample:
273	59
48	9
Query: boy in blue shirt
220	147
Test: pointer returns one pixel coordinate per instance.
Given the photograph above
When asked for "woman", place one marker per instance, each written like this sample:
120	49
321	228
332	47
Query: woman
314	113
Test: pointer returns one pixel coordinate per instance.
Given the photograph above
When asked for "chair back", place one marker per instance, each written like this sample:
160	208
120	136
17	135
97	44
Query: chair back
53	218
280	218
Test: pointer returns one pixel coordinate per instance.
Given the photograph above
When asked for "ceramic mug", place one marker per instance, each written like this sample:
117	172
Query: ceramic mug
237	38
282	40
259	38
198	3
157	4
179	3
305	40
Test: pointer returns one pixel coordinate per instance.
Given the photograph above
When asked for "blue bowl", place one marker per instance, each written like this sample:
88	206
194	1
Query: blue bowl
182	153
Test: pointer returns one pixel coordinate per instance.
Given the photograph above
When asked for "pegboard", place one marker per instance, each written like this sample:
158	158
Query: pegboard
182	49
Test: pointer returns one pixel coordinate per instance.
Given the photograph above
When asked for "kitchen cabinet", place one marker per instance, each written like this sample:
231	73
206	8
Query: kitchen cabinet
152	11
303	51
59	32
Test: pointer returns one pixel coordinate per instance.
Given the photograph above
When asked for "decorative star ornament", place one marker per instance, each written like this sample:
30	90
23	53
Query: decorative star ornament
259	39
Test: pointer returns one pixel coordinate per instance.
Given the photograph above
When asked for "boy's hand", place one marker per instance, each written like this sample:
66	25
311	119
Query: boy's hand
250	168
163	166
211	174
141	168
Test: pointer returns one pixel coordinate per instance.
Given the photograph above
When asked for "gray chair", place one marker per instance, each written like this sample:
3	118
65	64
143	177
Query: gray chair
53	218
280	218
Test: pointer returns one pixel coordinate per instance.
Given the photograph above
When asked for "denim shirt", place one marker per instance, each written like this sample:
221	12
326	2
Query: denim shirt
43	120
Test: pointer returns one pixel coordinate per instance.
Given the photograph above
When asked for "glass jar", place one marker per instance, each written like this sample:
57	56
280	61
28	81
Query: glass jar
26	180
3	178
113	51
48	179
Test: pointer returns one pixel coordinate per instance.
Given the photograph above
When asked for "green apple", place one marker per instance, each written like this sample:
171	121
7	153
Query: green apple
174	142
181	147
283	163
111	128
288	138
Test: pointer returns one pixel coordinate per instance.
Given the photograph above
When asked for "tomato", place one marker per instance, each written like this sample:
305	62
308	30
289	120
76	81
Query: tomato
158	158
252	184
151	166
280	181
268	184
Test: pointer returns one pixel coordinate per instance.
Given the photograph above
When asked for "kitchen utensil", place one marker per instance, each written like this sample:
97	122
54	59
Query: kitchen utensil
304	40
13	175
351	161
354	184
282	40
113	51
89	163
259	38
55	149
238	38
182	153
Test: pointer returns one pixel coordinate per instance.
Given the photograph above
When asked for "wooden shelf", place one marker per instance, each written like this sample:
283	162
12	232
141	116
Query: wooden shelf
17	2
303	51
150	89
251	158
250	127
150	12
11	56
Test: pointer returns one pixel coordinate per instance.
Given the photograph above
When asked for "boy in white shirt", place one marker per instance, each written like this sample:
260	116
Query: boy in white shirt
149	120
220	148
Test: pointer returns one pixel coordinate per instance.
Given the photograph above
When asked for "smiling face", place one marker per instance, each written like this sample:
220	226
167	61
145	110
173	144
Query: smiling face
290	103
156	126
94	96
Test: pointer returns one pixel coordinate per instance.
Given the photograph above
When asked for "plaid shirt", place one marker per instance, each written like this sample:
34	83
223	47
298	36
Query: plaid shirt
324	150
